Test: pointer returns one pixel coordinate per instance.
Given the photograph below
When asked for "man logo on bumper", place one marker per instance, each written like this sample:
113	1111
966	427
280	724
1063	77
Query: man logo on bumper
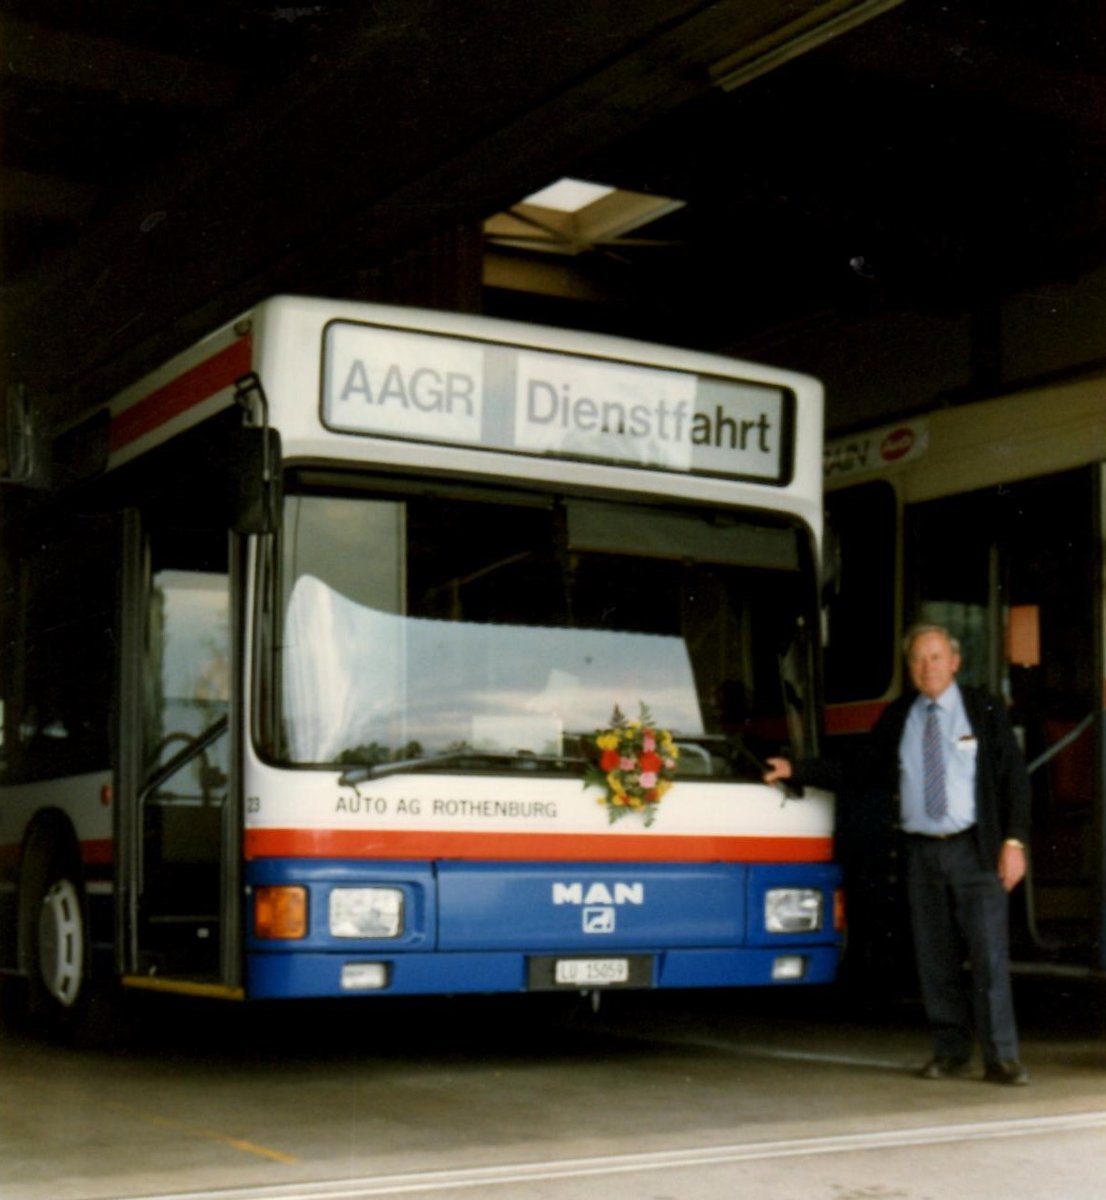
599	920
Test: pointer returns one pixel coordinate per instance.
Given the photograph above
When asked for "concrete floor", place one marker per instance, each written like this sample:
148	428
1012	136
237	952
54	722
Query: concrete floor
689	1096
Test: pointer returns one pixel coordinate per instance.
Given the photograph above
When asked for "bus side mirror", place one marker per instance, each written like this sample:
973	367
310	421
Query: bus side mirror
32	458
17	436
254	480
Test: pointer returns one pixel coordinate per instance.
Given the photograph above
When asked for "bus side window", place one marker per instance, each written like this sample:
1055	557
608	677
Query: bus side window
61	672
860	647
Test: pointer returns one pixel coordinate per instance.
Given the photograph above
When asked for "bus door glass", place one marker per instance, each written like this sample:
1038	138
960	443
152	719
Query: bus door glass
184	824
1012	571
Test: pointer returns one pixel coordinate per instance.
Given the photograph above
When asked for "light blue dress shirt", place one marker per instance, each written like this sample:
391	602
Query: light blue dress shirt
959	746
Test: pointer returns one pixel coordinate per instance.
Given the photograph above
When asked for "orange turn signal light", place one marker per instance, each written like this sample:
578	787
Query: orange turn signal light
839	923
280	912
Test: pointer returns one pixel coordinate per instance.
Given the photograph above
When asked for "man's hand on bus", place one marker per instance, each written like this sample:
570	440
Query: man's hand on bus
779	769
1011	864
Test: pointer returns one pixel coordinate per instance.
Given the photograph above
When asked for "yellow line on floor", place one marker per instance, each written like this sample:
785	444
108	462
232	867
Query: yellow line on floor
242	1144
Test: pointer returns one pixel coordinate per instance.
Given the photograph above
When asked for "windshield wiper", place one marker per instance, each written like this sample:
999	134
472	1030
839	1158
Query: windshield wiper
732	747
409	766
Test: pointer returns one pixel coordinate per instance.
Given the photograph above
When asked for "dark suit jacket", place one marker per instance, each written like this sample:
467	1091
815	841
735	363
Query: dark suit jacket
1002	791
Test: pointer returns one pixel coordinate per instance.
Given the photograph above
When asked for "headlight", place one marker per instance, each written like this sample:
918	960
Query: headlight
792	910
370	912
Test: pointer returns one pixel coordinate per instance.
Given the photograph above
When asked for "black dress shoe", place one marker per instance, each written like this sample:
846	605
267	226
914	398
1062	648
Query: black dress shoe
944	1068
1008	1071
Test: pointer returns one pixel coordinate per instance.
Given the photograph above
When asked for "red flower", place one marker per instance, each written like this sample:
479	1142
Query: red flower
651	761
609	760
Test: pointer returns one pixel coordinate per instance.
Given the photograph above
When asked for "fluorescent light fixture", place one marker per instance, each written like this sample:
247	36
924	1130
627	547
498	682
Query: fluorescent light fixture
808	31
572	216
568	195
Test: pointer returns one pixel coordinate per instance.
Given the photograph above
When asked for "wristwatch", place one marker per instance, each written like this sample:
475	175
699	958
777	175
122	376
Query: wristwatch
1014	842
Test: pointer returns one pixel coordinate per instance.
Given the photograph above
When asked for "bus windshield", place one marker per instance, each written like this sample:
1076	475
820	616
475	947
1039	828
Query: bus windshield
498	632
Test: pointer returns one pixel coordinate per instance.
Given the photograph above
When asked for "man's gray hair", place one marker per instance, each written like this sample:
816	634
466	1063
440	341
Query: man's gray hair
920	630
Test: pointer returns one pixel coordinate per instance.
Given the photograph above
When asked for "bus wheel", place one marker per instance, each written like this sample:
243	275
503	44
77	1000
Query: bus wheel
62	998
60	944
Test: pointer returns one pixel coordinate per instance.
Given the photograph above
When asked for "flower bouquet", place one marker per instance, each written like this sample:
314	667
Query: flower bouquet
636	765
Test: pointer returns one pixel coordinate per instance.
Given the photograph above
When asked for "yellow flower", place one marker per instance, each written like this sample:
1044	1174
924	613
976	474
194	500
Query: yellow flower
615	784
607	741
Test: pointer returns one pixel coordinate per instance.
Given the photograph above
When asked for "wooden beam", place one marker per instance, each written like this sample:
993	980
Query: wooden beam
52	197
79	60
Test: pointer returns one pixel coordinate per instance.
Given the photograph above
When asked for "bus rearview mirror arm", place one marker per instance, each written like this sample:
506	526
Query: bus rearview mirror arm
255	482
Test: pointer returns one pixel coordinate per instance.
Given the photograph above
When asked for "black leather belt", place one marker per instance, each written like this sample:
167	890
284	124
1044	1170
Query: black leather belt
939	837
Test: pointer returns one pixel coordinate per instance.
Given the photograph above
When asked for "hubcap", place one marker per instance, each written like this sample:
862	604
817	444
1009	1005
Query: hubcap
61	942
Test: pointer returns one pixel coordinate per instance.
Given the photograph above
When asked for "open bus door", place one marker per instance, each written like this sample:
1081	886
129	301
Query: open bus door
1014	571
177	823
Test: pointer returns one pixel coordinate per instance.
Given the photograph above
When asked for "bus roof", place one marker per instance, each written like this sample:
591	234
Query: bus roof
950	450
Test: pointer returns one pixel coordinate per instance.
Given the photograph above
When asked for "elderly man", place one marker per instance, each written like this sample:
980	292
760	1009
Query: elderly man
948	756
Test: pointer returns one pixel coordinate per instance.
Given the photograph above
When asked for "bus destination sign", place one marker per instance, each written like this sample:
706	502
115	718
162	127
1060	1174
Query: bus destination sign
425	387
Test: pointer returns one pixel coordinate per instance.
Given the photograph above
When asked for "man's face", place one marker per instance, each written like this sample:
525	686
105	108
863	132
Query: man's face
933	664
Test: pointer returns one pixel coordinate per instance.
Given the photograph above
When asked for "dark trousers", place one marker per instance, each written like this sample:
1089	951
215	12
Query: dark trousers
958	906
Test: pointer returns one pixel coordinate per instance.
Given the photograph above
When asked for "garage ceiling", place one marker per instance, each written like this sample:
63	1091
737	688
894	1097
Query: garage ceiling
165	163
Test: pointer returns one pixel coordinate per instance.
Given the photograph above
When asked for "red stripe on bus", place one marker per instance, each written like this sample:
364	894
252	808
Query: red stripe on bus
853	718
180	394
97	852
559	847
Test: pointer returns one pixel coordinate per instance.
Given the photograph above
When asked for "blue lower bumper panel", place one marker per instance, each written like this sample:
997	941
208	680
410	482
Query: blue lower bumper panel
280	974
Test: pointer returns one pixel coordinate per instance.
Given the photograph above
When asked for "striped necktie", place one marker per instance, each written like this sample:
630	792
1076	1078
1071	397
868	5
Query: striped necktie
933	766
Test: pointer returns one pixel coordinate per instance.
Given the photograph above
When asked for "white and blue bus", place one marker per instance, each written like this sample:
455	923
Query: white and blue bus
377	651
